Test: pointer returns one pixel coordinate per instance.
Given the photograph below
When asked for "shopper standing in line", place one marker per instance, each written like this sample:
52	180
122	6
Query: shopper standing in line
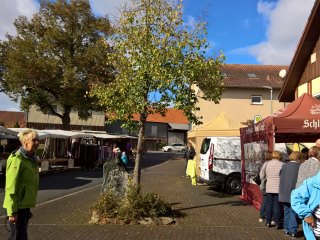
22	181
310	167
305	201
288	180
263	191
272	174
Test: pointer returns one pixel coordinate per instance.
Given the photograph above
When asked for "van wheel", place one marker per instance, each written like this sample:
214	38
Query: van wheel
233	184
169	150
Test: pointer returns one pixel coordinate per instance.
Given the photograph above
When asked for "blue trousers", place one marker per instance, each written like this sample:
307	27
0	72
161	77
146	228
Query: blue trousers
263	207
290	219
273	208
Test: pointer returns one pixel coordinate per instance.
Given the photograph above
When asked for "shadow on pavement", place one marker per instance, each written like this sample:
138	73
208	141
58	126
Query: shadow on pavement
77	178
231	203
67	180
154	158
219	192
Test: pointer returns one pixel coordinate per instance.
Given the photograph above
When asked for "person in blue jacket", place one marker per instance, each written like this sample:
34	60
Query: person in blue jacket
305	201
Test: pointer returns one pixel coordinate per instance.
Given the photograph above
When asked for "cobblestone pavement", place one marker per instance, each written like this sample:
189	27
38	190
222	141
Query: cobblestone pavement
209	214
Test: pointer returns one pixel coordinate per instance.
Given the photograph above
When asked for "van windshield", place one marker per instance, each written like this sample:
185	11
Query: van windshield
205	146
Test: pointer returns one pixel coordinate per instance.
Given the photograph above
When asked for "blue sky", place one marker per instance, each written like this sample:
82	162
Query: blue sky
248	31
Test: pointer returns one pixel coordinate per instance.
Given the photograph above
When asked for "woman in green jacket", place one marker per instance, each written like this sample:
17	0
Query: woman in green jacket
22	181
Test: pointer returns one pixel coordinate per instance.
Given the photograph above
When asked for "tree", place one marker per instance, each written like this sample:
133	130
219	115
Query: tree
158	59
16	125
55	57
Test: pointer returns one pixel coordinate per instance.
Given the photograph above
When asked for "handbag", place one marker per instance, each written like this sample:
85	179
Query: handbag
263	185
263	182
257	179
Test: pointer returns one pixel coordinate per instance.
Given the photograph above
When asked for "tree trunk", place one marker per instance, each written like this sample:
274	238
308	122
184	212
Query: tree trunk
66	120
137	166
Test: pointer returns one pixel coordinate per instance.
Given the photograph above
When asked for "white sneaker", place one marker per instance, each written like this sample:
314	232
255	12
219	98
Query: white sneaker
273	222
261	220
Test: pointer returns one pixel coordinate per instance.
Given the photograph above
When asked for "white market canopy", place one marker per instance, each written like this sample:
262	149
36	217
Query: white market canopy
57	133
4	130
111	136
42	135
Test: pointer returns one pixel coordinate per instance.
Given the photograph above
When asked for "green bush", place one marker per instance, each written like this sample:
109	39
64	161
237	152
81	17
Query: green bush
133	207
107	205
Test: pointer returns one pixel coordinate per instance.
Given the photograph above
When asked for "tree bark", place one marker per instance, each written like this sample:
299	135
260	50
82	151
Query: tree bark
139	156
66	120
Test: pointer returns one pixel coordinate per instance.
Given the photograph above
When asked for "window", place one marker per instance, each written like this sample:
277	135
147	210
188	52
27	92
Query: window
252	75
205	145
224	75
256	100
153	131
86	128
50	126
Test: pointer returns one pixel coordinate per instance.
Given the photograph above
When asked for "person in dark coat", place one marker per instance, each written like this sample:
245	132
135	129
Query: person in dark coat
189	154
288	180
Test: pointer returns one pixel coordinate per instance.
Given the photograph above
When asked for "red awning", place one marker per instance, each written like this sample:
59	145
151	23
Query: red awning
301	116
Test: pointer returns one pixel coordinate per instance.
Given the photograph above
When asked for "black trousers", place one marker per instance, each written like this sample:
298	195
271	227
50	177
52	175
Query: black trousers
19	229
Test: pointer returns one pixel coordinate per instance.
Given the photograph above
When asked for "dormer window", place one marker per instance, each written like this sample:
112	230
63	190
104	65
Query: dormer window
252	75
224	74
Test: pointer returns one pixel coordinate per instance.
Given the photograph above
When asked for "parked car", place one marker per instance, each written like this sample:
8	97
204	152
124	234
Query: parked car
177	147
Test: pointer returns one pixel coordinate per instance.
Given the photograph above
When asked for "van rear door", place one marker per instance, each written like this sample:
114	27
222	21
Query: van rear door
207	147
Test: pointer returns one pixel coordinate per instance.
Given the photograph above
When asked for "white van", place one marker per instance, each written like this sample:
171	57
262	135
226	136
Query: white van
220	162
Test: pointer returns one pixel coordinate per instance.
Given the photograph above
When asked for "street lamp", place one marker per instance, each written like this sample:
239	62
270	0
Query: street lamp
270	88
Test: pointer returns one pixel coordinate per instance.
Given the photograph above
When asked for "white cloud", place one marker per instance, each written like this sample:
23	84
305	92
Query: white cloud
265	8
7	104
286	21
11	9
107	7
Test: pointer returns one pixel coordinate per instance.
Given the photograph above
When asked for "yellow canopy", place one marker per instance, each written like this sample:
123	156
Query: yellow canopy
222	126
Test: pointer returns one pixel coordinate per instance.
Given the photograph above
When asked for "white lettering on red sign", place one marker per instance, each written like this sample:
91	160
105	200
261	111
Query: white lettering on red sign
315	124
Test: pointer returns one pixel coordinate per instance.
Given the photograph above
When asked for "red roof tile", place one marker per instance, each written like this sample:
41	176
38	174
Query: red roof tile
171	116
252	76
9	119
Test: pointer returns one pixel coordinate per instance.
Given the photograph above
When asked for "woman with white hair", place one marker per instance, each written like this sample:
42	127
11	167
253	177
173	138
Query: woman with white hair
22	181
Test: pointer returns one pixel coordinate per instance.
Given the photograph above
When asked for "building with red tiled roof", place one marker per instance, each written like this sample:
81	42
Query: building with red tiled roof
172	116
249	91
159	130
252	76
12	119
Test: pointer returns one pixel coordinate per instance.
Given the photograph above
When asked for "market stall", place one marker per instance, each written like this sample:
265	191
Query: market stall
298	122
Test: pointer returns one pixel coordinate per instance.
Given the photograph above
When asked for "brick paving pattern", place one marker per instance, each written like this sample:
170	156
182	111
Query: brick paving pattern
209	214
